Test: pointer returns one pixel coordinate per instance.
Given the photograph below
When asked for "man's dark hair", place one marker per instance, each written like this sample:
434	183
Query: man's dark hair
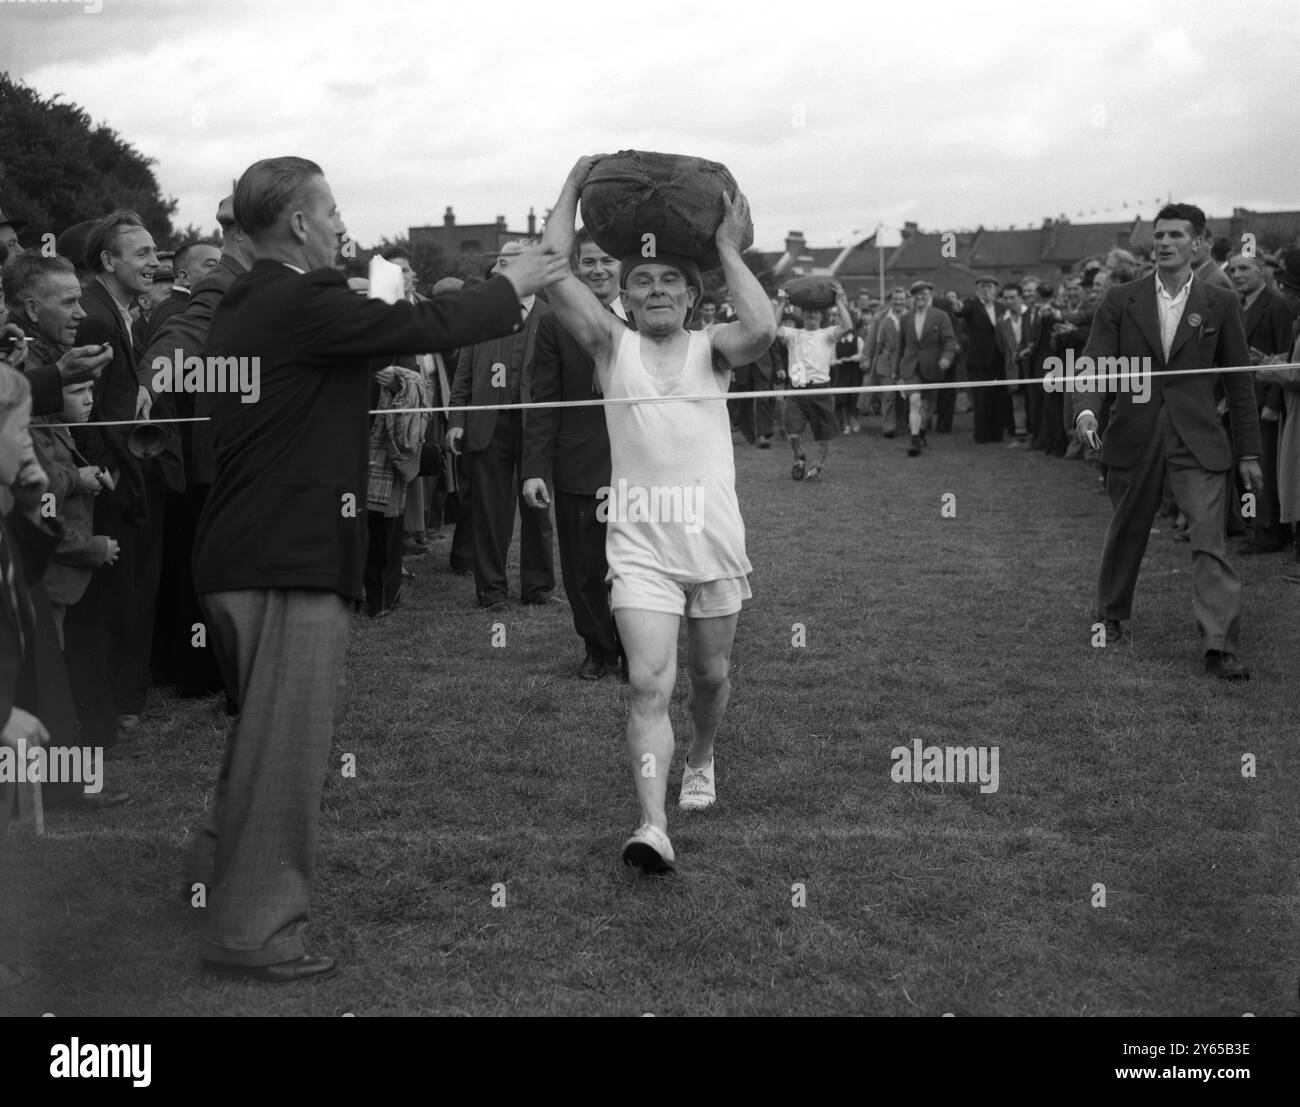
1045	291
24	273
1190	212
269	188
1220	249
1011	286
395	252
708	300
106	234
181	259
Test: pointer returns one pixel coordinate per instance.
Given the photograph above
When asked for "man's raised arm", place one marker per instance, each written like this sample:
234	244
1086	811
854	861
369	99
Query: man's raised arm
577	307
755	328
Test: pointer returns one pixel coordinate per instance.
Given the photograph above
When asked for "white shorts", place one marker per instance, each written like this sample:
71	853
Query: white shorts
709	599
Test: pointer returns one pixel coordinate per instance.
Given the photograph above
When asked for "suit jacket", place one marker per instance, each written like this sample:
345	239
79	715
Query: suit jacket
287	508
186	330
1210	272
920	358
1039	338
569	446
1268	330
80	551
30	548
117	389
1211	333
473	381
984	350
885	346
1015	353
174	303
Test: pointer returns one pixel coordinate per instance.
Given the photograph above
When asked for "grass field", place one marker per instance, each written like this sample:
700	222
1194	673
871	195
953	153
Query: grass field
480	766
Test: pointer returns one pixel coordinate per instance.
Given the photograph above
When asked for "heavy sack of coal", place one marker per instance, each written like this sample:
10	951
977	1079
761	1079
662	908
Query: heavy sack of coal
812	293
675	198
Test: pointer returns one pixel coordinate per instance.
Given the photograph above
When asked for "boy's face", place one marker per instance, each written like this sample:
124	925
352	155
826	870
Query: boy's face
78	399
15	442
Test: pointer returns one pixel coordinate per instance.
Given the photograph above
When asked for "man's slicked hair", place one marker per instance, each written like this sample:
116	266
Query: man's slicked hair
1190	212
24	273
269	188
105	235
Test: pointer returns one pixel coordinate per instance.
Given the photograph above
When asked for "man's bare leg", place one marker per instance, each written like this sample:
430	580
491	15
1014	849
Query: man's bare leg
709	660
650	640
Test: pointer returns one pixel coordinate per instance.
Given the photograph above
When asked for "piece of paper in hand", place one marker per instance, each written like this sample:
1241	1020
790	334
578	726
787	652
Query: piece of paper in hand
386	281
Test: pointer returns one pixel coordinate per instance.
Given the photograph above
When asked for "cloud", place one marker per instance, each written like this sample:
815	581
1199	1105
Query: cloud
948	115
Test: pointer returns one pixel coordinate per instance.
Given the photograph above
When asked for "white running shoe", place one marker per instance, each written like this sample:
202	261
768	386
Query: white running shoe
649	850
698	791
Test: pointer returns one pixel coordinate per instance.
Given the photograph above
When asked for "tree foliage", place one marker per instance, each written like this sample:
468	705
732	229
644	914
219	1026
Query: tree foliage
57	168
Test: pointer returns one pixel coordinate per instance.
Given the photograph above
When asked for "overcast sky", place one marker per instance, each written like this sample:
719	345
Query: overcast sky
833	118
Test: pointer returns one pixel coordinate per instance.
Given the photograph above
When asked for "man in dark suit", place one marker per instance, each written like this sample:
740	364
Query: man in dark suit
1268	331
500	371
1046	410
927	349
1173	321
176	659
280	550
883	346
985	359
1013	328
192	264
568	449
120	253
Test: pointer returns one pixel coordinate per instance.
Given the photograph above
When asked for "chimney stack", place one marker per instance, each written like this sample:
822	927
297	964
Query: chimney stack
794	243
448	217
532	224
501	222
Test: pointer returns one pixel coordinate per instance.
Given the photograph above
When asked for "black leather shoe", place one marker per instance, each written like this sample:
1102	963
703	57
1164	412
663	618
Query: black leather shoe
305	967
1115	632
1260	545
1225	666
914	449
549	599
591	669
96	801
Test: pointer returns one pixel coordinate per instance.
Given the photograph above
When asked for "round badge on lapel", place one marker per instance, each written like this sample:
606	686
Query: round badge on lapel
1193	320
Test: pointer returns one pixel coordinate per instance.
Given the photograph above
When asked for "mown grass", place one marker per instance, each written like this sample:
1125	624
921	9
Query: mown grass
480	766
